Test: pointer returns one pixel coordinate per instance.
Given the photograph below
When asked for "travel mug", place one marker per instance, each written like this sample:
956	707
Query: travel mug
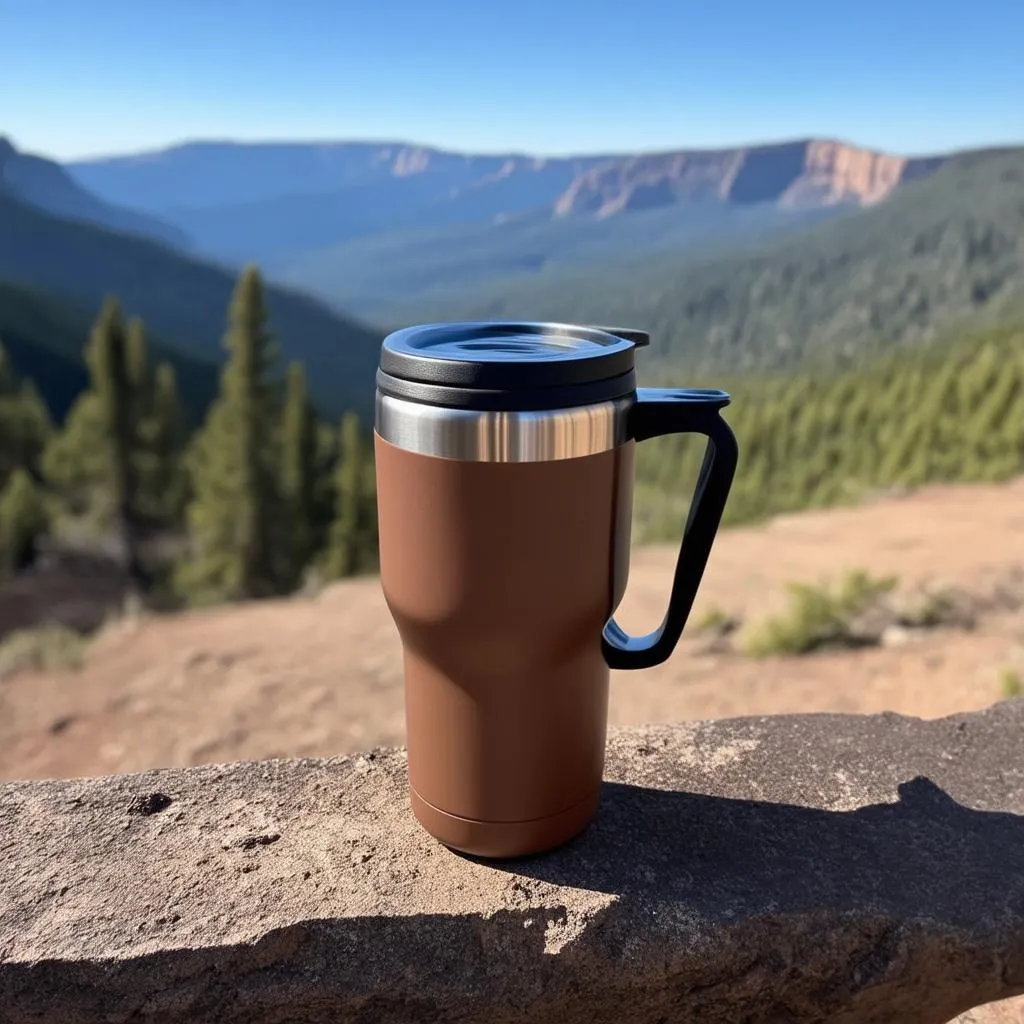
504	461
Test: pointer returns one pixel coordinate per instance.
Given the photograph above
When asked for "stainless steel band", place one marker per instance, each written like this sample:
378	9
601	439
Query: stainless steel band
472	436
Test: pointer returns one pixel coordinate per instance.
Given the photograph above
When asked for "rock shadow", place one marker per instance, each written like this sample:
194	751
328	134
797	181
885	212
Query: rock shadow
922	856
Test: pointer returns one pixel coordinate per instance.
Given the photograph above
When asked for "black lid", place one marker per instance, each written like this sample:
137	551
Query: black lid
498	365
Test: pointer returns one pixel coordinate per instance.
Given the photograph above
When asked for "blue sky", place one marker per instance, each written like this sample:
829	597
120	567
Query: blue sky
89	77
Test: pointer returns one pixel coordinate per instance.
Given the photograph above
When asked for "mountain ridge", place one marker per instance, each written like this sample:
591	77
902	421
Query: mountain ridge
811	172
310	213
183	298
946	250
861	173
46	185
179	177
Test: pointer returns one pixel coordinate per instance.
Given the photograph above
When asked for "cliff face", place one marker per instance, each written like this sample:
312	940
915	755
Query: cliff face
801	174
393	177
808	173
835	173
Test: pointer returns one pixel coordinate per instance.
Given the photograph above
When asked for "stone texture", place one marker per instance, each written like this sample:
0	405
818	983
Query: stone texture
811	868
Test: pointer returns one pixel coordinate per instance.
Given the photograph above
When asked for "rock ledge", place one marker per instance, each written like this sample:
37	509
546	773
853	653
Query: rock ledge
808	868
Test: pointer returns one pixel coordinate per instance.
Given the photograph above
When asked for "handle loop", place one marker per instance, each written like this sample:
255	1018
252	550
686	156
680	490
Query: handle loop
657	412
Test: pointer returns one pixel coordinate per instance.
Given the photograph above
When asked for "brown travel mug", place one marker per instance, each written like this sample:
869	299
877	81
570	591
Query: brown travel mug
504	460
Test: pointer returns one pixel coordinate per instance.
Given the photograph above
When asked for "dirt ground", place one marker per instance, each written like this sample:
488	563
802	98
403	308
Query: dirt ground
322	675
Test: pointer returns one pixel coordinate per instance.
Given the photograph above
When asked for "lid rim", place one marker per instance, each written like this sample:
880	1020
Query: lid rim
535	399
505	355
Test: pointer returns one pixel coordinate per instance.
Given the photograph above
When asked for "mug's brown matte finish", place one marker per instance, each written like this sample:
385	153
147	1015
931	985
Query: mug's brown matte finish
500	578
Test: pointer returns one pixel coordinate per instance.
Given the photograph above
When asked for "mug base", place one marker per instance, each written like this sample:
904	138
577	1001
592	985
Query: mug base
500	840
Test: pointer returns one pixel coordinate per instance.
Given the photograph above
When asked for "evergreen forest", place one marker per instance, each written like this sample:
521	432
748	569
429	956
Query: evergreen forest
264	491
952	412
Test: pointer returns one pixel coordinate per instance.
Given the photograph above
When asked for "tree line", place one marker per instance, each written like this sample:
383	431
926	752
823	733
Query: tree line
945	413
264	492
243	507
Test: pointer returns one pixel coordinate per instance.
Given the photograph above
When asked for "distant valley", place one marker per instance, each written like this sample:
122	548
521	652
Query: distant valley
941	255
62	251
864	310
365	224
748	259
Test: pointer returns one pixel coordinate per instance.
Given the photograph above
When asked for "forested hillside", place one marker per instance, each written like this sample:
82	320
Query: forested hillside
181	299
244	507
381	276
222	480
952	413
266	492
941	253
45	184
44	336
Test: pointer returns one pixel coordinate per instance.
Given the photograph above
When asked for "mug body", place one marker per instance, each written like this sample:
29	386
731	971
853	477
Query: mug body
504	547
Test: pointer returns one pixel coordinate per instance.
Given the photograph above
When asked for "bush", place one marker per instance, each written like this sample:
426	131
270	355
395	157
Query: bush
1011	683
716	620
820	617
46	649
930	609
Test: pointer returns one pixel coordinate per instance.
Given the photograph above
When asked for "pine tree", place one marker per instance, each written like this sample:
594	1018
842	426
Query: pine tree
74	463
137	362
24	429
23	521
108	360
323	482
821	436
297	475
8	380
103	438
352	536
369	543
92	462
162	478
25	425
233	466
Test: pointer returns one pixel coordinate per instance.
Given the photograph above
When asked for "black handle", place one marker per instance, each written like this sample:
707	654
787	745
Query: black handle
660	411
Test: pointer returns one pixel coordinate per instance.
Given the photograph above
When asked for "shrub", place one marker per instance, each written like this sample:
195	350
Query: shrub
820	617
1011	683
716	620
47	649
930	609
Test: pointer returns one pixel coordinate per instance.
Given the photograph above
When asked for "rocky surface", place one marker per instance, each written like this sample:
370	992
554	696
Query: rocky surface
805	868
